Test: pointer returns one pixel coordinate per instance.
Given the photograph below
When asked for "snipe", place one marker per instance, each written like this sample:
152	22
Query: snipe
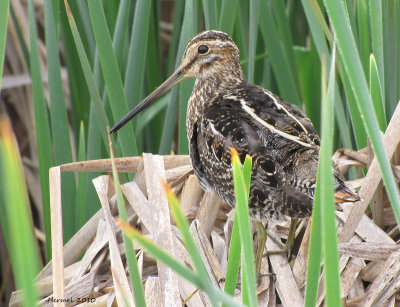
225	111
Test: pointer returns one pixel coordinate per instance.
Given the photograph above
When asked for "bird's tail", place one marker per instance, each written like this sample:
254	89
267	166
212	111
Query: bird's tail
344	194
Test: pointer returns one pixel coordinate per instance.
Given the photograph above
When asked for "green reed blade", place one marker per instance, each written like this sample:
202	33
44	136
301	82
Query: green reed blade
112	76
135	70
375	15
185	89
242	197
82	177
226	20
283	72
43	139
376	93
58	117
4	5
210	14
328	216
253	32
353	67
21	243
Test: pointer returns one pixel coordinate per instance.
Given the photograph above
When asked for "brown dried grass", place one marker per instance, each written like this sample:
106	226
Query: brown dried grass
369	263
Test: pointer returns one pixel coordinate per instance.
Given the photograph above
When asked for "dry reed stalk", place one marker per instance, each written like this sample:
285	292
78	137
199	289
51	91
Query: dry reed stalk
102	272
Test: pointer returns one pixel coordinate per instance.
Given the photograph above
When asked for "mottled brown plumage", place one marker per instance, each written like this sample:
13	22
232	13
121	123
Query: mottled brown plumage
225	112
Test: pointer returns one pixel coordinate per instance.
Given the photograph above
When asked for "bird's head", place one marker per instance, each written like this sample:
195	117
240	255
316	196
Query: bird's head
209	55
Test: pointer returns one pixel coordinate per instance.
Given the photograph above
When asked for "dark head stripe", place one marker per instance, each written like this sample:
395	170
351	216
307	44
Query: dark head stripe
211	35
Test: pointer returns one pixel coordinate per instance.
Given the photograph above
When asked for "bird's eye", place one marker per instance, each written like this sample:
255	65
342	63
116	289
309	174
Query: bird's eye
203	49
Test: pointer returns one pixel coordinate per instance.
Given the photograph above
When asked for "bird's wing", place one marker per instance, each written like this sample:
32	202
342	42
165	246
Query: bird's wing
275	115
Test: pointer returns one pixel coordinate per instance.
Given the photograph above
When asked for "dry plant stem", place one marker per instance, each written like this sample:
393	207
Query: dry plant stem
161	224
191	195
208	211
286	286
45	285
369	251
391	139
386	284
121	283
300	264
129	164
153	292
77	244
57	235
377	201
207	253
349	275
261	240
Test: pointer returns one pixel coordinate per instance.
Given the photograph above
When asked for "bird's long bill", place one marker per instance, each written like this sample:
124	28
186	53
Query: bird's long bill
174	79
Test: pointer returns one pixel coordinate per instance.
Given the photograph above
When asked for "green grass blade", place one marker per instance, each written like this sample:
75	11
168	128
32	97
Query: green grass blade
248	269
285	35
241	33
137	54
80	97
253	33
188	240
94	151
82	177
21	243
43	139
391	53
247	165
235	244
159	253
154	77
226	18
319	17
4	5
376	93
148	115
362	14
58	117
170	117
314	253
80	8
185	89
121	33
112	76
328	217
210	14
93	90
375	14
352	64
356	120
134	274
309	77
20	36
312	11
283	72
179	7
233	265
186	34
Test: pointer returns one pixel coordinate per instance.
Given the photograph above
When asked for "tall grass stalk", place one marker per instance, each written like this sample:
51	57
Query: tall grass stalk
17	223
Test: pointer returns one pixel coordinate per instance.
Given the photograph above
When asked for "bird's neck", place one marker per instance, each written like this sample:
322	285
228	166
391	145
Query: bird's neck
206	89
